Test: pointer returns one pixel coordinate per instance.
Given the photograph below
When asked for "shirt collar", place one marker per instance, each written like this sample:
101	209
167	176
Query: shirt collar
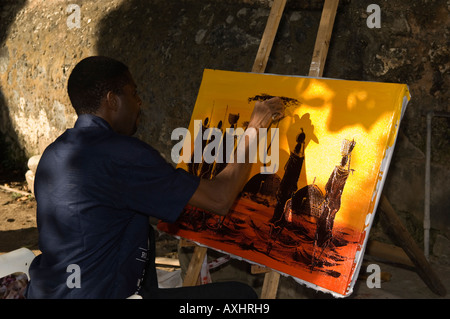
90	120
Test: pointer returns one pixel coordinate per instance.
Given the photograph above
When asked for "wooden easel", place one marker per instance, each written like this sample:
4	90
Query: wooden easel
395	227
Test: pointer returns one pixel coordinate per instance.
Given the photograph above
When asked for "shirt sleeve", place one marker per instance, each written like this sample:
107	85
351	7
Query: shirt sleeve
156	188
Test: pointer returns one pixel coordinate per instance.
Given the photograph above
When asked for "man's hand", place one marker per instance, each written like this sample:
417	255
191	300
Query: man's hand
218	194
266	112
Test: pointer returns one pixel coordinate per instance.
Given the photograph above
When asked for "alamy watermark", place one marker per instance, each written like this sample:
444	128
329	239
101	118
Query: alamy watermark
74	279
74	19
374	279
213	145
374	19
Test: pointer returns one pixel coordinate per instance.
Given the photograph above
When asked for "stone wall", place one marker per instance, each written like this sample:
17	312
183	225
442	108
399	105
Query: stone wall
167	44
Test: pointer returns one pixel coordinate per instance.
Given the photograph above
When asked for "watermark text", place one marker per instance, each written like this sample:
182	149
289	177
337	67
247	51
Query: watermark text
233	145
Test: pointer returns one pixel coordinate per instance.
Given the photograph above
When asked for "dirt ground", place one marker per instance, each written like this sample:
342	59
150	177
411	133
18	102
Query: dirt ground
17	219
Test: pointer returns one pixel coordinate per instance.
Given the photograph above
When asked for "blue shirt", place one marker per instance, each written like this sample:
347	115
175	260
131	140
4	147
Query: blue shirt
95	190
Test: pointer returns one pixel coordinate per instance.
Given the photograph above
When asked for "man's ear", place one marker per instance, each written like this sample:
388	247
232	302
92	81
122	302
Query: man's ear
112	100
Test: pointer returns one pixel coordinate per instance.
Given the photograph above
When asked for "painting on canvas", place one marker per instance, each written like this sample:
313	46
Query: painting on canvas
309	202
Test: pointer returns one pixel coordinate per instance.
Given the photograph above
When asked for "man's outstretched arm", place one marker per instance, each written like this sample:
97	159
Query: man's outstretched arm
218	194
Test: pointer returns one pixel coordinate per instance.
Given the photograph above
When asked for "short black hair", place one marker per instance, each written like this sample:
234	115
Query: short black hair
92	78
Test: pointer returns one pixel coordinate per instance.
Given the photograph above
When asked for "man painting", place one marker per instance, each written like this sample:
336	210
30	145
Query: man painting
96	186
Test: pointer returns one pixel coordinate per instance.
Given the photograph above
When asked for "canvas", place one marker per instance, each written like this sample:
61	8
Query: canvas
309	202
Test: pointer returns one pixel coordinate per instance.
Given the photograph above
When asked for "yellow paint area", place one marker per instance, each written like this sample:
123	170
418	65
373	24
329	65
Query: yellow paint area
329	111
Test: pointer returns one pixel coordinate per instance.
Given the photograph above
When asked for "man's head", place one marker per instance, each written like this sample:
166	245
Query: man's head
104	87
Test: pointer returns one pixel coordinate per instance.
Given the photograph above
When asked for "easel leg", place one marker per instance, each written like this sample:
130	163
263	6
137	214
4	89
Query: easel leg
195	265
396	229
270	285
323	38
268	37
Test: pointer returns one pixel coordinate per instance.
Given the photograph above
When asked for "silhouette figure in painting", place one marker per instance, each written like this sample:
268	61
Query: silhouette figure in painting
288	184
194	168
332	201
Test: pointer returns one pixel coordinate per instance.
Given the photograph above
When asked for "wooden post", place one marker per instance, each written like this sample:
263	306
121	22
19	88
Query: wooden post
271	278
323	38
195	265
265	46
270	285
